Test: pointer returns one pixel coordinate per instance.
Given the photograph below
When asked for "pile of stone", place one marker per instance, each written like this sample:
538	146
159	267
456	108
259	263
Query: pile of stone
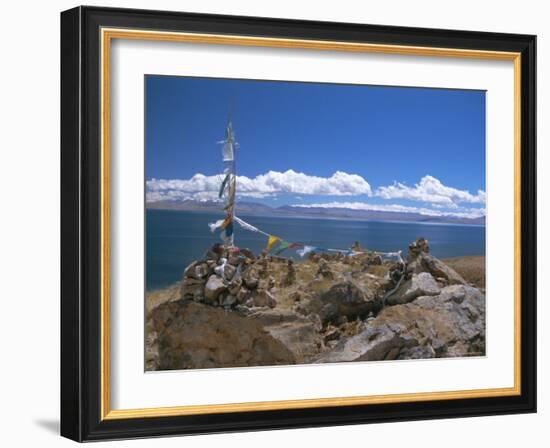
420	260
232	277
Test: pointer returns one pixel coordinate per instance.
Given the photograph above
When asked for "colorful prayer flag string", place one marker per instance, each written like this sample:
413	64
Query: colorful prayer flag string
272	240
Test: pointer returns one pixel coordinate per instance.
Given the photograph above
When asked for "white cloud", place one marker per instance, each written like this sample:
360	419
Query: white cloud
269	184
178	195
462	213
431	190
440	199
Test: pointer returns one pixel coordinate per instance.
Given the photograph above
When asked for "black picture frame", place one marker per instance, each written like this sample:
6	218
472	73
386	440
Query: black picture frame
81	224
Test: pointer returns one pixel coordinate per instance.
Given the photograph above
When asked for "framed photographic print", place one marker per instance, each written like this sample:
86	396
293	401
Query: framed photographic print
275	224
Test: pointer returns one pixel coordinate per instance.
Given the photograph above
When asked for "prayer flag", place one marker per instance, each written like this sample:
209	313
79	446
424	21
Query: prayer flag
295	245
306	250
247	226
224	183
215	225
283	245
272	241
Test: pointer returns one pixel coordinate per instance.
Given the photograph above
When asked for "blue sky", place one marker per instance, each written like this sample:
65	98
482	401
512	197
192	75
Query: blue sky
319	144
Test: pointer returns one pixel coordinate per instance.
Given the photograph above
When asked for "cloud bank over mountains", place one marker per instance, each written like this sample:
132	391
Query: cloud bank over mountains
470	213
431	190
436	198
271	183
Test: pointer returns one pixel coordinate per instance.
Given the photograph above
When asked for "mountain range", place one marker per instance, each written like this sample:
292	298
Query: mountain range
254	208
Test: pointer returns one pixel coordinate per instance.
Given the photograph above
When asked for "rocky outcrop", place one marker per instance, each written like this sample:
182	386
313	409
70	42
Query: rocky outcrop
300	334
422	284
449	324
420	260
235	309
192	335
438	269
346	299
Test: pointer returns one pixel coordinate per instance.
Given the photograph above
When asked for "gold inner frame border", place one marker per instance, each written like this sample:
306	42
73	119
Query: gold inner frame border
107	35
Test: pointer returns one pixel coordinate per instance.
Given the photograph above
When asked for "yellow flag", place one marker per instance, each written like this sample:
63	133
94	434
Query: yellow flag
272	241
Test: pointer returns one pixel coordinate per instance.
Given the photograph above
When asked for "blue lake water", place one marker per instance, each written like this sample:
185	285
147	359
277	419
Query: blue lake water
175	238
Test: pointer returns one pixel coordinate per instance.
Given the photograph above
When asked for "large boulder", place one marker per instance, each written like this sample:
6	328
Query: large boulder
300	334
422	284
375	343
195	336
449	324
428	263
345	299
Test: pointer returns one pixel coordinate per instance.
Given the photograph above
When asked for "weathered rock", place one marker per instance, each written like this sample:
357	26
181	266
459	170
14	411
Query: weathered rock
220	268
458	315
298	333
333	333
266	283
251	276
151	347
192	288
296	296
428	263
345	299
234	259
235	285
262	297
395	272
198	270
422	284
213	288
243	295
229	271
442	281
228	300
248	254
324	270
451	323
373	344
195	336
417	352
225	270
190	270
418	247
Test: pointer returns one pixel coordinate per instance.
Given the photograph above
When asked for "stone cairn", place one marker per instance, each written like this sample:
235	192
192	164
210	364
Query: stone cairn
231	277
